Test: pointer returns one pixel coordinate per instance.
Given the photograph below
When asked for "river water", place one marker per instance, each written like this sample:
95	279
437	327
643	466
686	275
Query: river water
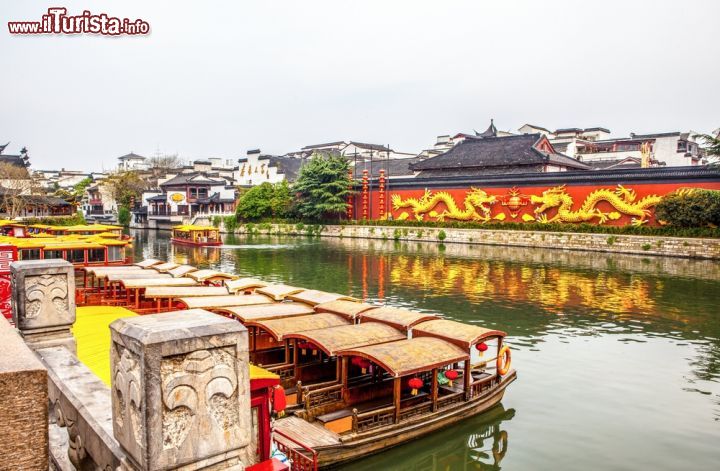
618	357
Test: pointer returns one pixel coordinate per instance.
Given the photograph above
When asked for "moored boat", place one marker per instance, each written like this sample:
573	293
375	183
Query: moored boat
203	236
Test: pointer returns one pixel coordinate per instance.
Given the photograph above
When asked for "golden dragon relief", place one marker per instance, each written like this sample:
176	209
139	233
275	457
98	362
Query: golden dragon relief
477	206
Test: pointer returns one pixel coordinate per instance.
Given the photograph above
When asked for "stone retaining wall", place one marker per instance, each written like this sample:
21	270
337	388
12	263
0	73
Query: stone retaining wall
629	244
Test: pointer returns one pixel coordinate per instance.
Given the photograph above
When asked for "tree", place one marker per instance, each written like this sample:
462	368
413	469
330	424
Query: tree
282	200
16	183
125	187
75	195
255	203
124	216
162	164
322	187
712	144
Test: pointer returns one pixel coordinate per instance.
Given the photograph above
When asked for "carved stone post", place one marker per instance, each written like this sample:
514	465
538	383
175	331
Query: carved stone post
180	390
43	295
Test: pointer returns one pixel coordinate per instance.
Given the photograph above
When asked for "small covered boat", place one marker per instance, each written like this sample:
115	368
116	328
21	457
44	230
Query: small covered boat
202	236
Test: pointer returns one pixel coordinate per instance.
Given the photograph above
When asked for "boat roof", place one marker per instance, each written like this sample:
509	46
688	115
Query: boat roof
397	317
210	302
165	267
313	297
242	284
462	335
279	291
406	357
345	308
155	292
133	275
148	282
53	242
279	328
267	311
190	227
335	339
182	270
148	262
203	275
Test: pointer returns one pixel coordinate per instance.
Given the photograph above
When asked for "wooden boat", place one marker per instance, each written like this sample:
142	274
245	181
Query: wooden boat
202	236
244	284
279	291
313	297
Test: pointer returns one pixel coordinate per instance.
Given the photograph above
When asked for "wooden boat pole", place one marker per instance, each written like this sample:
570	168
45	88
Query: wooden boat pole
338	368
466	380
434	389
287	351
497	355
397	390
295	359
344	376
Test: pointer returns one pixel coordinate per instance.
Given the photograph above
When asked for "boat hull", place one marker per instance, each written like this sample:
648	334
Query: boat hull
332	456
195	244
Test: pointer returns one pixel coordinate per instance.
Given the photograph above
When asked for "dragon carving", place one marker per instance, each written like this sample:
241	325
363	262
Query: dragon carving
622	199
475	206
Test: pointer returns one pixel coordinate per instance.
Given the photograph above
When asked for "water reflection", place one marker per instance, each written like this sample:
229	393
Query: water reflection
480	443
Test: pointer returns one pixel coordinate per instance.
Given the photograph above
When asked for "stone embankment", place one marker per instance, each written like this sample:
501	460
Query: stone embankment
611	243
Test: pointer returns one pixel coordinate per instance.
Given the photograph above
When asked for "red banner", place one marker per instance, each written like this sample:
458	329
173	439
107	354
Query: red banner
8	254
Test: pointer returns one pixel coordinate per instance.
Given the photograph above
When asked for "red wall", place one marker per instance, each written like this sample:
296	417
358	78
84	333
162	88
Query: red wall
579	193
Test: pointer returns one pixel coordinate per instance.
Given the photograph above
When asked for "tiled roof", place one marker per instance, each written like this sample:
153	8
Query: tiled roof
131	155
505	151
196	178
392	167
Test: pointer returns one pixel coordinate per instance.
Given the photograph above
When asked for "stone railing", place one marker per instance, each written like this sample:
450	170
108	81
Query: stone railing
179	395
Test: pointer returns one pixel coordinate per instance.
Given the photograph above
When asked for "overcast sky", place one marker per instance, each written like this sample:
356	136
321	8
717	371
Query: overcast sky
277	75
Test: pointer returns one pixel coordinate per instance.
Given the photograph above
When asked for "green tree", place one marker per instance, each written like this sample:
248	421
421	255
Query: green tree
322	187
282	200
256	202
712	144
124	216
125	187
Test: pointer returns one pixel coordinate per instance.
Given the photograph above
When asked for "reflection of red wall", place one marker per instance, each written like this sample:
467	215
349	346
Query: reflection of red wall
578	193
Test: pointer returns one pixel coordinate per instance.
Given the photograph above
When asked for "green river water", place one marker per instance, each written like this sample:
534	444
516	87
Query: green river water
618	357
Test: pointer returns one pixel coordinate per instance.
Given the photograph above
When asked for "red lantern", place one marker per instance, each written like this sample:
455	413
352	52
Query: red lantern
482	347
451	375
415	384
279	400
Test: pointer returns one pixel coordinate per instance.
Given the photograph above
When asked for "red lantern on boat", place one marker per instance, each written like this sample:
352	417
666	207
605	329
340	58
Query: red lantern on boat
415	384
481	347
451	375
279	401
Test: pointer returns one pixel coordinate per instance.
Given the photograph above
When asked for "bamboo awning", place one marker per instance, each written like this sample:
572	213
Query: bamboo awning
148	263
182	270
267	311
113	268
335	339
137	283
212	302
397	317
314	297
115	277
242	284
406	357
279	291
279	328
462	335
204	275
158	292
105	273
165	267
349	309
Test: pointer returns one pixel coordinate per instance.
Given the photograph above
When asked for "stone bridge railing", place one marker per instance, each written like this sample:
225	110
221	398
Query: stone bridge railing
179	395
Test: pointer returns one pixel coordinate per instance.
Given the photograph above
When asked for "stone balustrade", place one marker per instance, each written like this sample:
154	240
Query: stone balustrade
179	395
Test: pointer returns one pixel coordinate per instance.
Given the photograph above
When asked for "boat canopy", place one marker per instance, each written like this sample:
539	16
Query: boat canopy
165	267
137	283
279	328
157	292
406	357
114	276
462	335
279	291
192	228
267	311
204	275
148	263
242	284
396	317
181	270
313	297
212	302
343	337
349	309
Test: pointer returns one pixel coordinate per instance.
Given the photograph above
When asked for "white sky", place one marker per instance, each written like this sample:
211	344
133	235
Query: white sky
216	78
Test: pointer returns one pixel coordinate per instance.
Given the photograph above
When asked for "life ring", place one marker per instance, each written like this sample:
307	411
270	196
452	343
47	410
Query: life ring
504	360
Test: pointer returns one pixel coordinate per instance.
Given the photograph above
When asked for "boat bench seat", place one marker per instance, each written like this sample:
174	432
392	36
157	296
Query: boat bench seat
347	411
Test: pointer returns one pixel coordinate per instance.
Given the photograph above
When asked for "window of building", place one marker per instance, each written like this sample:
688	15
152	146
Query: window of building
682	146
